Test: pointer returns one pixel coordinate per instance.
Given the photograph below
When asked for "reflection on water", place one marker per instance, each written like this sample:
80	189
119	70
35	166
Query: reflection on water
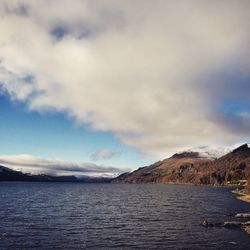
104	216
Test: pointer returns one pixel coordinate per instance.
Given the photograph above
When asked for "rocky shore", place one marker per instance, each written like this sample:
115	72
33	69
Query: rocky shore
245	197
241	223
242	194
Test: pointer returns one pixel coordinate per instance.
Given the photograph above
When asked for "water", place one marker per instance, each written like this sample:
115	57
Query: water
113	216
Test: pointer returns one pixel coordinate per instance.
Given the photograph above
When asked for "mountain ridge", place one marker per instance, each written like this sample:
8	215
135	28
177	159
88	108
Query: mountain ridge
190	168
7	174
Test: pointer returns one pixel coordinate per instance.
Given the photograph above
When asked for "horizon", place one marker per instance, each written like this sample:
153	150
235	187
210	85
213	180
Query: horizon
104	87
57	168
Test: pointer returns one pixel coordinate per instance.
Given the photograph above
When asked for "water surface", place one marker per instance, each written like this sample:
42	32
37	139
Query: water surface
114	216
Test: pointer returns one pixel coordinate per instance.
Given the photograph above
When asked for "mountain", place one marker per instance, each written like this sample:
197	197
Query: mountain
7	174
192	168
181	168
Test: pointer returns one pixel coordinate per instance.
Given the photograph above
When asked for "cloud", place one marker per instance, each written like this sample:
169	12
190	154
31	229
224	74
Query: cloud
212	152
35	165
104	154
157	74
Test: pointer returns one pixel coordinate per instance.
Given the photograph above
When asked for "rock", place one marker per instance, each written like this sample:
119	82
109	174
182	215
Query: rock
247	223
227	224
205	223
242	215
247	229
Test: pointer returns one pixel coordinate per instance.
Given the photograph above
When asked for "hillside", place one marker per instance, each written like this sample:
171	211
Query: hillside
7	174
191	168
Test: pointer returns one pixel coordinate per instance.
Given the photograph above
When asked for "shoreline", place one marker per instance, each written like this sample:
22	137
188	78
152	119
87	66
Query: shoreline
241	195
245	197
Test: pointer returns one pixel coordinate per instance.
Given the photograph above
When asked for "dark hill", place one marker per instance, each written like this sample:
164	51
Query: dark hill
7	174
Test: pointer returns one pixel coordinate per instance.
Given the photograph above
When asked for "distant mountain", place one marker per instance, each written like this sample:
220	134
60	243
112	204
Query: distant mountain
192	168
7	174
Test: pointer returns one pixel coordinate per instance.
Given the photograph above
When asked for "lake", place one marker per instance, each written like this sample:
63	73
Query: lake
117	216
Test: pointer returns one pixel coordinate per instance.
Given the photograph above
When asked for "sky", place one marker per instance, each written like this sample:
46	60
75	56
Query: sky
101	87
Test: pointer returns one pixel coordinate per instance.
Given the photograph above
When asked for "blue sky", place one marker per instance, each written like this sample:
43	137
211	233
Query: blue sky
55	135
121	83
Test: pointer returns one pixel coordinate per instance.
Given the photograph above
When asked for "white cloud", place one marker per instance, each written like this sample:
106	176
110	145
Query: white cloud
152	72
35	165
211	152
104	154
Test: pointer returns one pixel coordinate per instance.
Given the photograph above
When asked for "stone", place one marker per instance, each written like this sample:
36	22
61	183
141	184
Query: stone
242	215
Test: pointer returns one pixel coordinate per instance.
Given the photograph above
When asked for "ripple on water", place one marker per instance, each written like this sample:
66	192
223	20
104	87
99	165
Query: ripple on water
109	216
